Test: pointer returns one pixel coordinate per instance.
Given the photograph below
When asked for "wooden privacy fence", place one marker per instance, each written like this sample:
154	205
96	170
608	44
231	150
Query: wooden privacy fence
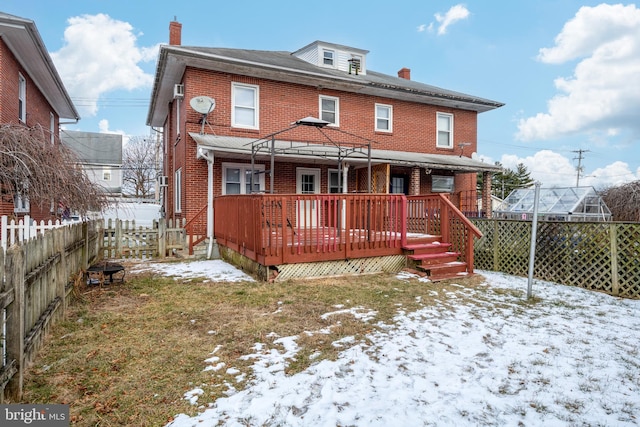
36	278
123	239
592	255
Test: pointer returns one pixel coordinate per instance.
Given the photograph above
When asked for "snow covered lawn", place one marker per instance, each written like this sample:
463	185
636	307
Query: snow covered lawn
480	356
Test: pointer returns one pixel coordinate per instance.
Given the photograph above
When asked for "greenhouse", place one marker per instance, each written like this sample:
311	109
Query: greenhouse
555	204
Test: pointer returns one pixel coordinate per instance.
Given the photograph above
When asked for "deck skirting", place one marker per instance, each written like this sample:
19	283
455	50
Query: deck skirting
369	265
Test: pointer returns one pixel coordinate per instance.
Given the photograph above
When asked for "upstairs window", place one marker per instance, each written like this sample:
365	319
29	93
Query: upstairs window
22	98
244	113
328	58
445	131
52	127
384	118
329	110
106	174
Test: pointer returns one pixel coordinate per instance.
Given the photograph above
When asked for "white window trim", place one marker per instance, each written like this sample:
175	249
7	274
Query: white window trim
21	204
390	108
21	200
333	58
337	103
450	117
106	171
256	110
244	167
22	97
177	191
52	127
450	183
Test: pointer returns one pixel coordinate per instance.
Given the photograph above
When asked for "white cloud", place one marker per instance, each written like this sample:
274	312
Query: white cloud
422	28
611	175
555	170
550	168
453	15
100	55
605	86
103	126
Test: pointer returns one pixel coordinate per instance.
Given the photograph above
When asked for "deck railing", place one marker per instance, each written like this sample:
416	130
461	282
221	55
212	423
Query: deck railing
196	229
294	228
435	214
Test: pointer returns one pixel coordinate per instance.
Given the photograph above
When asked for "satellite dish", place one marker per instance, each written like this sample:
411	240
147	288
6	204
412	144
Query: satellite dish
203	104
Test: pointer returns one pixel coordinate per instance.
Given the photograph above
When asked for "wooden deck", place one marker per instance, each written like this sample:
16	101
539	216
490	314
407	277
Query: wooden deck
293	228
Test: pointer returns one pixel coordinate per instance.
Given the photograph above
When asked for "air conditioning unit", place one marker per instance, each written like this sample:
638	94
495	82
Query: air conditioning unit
178	91
163	181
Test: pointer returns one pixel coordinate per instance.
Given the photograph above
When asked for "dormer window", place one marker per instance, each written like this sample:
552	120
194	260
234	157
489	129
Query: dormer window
328	57
334	56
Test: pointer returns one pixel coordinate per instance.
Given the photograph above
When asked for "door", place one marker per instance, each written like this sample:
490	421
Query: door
307	182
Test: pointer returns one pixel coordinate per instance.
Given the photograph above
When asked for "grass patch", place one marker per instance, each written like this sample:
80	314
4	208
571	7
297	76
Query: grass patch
127	353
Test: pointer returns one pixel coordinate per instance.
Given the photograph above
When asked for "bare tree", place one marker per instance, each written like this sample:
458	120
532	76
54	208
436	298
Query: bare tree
624	201
139	168
44	173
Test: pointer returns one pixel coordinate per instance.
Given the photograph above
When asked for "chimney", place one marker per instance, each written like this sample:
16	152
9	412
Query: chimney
175	33
404	73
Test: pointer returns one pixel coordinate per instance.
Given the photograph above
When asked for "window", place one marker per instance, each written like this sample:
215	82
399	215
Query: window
52	127
384	118
335	181
445	130
398	185
329	110
22	98
441	184
106	174
236	178
21	199
244	113
328	57
177	192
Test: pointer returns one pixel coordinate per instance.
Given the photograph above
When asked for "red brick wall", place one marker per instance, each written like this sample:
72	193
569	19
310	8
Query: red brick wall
38	112
414	129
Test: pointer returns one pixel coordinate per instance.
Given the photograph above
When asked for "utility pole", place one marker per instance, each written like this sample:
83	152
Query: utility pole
579	168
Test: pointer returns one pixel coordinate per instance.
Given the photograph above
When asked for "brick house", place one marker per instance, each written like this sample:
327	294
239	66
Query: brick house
313	121
31	93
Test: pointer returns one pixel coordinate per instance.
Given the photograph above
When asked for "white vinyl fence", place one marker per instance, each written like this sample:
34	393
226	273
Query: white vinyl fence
23	230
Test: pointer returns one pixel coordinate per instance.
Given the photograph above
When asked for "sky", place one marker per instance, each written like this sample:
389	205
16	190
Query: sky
491	360
567	71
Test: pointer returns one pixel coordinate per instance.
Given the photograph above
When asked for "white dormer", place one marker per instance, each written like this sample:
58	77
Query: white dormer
335	56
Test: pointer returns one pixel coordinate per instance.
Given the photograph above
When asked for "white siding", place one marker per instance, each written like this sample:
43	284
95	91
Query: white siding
314	55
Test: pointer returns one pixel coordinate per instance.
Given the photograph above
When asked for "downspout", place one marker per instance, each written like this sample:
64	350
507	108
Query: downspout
212	250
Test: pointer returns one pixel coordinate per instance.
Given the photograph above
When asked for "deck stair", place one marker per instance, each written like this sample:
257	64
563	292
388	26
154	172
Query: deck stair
435	258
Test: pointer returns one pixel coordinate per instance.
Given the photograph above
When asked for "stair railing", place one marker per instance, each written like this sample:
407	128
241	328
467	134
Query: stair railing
435	214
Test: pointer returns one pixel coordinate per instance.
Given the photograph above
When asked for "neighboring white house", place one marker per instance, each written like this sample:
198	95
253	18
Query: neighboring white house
100	155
